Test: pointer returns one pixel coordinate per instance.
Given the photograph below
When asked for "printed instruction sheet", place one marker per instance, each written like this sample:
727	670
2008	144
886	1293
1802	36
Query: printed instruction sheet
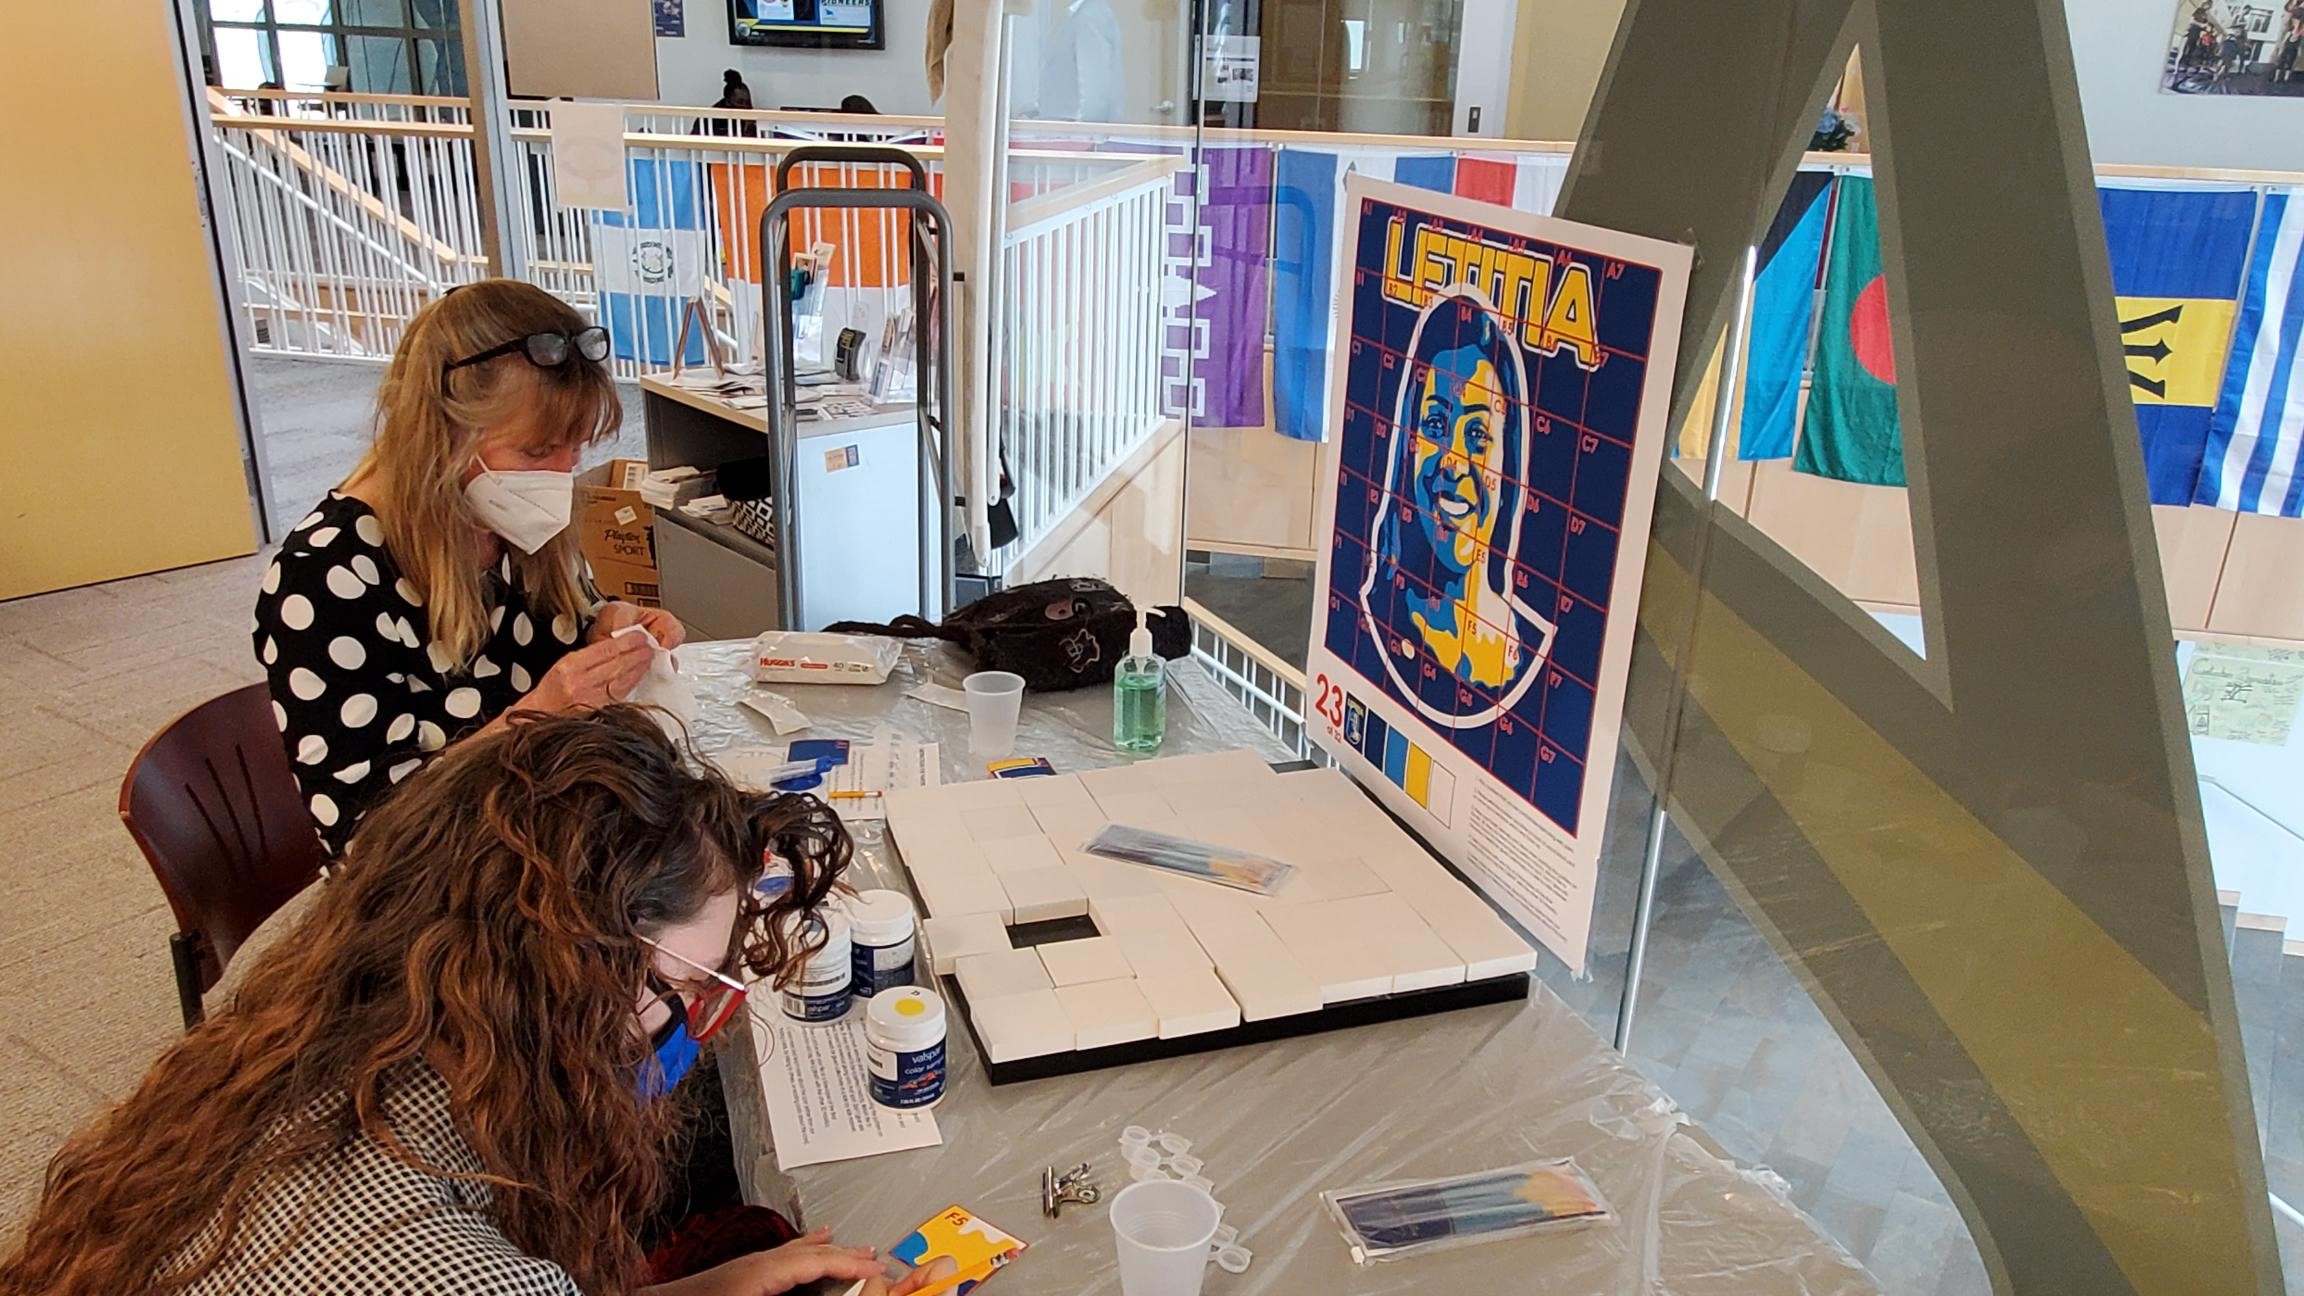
820	1108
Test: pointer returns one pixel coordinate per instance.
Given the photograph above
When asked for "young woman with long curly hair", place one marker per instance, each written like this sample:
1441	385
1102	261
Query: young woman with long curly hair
445	1079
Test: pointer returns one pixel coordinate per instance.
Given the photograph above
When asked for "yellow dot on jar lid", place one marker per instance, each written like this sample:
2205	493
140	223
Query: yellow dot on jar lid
910	1008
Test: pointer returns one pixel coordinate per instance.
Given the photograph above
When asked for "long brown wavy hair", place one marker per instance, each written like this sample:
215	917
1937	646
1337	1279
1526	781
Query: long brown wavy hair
429	424
483	924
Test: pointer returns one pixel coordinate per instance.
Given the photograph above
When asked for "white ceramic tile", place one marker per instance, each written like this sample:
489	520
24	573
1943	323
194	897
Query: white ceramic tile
1138	809
1406	868
998	975
999	823
1331	878
941	854
969	890
1058	790
1107	1012
950	939
1191	1002
1323	786
1110	878
1078	962
1346	964
1026	1025
1486	943
1071	826
1039	895
1022	855
1385	930
1264	978
1234	767
982	794
1117	779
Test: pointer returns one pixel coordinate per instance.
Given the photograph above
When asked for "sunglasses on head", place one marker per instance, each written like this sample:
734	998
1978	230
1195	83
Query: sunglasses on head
544	350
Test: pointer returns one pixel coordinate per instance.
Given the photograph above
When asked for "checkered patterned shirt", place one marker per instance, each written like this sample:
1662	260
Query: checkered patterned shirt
362	1223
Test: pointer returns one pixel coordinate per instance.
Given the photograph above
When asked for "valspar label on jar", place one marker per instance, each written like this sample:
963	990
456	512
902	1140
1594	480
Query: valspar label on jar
819	989
904	1047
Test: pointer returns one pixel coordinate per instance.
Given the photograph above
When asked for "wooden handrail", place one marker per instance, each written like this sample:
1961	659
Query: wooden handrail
1043	207
347	96
1214	135
301	158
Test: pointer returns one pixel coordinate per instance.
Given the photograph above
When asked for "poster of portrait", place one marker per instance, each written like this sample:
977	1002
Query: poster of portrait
671	18
2236	47
1485	496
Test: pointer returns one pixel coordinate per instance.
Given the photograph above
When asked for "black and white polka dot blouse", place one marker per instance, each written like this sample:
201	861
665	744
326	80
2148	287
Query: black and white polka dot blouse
362	694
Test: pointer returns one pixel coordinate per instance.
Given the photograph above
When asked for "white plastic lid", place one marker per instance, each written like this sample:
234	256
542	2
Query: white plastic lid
1140	638
835	925
880	917
905	1018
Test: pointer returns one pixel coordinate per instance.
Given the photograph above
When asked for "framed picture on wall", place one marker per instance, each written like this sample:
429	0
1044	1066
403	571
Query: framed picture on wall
671	18
2236	47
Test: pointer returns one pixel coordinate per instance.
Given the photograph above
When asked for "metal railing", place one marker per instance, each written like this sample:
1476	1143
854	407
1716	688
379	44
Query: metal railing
1078	356
1271	689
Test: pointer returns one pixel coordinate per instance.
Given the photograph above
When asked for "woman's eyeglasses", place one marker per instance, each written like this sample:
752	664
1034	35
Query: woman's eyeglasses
711	1003
544	350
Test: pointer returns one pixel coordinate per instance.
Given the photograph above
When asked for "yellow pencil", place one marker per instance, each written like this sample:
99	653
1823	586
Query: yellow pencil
850	796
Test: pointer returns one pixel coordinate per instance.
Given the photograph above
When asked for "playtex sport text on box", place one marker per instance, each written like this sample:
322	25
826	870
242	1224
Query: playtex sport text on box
616	530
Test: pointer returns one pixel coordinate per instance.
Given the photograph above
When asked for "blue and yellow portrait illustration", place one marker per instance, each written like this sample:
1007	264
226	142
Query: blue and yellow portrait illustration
1440	596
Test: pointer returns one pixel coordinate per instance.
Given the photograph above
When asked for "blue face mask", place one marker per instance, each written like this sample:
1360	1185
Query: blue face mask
675	1057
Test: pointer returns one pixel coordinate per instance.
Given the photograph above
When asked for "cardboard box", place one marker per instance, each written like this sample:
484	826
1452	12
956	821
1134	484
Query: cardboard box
616	530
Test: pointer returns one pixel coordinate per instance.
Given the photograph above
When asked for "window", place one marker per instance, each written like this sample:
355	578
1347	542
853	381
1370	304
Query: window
387	46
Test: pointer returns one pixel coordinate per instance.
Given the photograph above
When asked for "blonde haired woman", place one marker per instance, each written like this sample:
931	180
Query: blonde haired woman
437	589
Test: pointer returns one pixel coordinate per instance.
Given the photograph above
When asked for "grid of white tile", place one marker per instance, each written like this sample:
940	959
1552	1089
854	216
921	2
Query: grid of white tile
1365	913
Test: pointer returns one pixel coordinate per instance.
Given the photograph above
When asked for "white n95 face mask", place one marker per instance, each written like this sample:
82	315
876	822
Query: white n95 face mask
526	508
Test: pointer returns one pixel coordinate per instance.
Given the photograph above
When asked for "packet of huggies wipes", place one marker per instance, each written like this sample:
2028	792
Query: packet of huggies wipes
1385	1221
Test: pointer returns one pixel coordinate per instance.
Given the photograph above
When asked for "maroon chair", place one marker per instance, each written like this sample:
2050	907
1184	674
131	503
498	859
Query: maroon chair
215	808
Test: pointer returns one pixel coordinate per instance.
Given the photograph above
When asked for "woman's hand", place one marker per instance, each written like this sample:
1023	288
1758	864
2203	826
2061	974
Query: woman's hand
795	1264
664	627
591	676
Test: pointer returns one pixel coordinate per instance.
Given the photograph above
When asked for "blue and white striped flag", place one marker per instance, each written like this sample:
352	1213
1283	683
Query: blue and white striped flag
2257	433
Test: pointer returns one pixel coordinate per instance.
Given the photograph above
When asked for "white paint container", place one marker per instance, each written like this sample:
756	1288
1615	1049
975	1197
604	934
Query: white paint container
904	1047
881	926
819	992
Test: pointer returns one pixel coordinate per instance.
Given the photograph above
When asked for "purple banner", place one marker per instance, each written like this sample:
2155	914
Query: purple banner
1232	307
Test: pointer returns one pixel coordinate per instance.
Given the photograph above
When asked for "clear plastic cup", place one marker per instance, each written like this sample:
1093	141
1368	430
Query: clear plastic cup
1163	1229
995	700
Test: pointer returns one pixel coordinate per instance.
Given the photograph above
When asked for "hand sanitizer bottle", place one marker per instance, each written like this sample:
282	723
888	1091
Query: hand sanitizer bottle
1140	694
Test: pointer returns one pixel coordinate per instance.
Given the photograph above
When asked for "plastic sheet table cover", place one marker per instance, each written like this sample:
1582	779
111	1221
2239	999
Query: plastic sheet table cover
1277	1123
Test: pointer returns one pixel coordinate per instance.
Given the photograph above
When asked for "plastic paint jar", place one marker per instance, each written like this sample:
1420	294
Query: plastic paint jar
818	992
904	1047
880	925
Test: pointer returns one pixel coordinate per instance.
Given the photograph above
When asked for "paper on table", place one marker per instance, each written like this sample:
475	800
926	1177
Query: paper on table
882	767
819	1106
588	154
2244	693
939	695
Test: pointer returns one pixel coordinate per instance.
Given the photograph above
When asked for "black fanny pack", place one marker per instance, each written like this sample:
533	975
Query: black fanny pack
1057	634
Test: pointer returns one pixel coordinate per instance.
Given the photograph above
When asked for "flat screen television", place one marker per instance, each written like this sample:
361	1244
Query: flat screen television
808	24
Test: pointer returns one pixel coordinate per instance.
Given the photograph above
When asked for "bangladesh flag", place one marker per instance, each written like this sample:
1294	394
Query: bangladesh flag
1850	433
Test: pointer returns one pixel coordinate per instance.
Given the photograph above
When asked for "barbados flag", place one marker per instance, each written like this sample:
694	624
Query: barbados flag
2257	433
2177	261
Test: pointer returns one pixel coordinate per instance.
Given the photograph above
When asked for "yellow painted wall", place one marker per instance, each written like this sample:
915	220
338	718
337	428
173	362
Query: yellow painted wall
1558	50
119	440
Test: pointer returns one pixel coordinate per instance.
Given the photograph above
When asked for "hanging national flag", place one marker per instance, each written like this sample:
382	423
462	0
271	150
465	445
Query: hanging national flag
1304	195
649	258
1851	431
1536	186
1783	306
1486	180
1308	189
2258	428
1227	326
2178	257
